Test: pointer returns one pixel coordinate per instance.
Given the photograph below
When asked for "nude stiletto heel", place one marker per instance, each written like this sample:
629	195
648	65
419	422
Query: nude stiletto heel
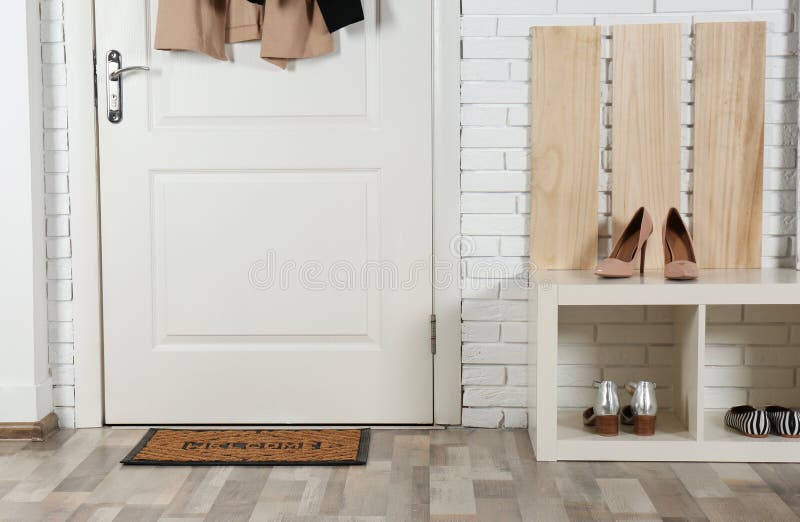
642	257
630	244
679	260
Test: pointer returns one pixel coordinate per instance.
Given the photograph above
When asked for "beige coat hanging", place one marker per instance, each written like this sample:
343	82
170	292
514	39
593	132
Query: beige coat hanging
287	28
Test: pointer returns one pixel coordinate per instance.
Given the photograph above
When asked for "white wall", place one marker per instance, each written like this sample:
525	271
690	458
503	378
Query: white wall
620	343
24	381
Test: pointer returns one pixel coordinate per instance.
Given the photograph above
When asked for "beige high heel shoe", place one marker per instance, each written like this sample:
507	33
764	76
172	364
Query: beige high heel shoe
679	260
631	243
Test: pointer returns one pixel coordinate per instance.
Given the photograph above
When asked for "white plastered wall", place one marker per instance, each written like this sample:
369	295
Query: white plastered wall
25	394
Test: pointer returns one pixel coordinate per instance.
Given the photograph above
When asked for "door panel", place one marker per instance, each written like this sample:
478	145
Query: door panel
266	234
248	91
219	246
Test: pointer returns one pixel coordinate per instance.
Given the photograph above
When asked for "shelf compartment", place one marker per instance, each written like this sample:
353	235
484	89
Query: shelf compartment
578	442
677	373
668	428
753	357
716	431
726	445
669	357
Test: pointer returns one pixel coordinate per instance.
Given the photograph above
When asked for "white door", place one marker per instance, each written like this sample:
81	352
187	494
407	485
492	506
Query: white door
266	234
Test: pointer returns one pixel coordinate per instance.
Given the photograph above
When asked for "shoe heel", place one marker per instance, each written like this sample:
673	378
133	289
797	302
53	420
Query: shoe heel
641	260
644	425
607	425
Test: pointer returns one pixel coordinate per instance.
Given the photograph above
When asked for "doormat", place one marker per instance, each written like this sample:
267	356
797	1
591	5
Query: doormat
168	447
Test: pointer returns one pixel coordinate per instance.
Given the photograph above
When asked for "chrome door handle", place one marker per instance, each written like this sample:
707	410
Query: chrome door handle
114	71
113	76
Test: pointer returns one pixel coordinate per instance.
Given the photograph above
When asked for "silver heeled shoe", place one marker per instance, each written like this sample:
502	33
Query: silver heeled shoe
605	413
643	408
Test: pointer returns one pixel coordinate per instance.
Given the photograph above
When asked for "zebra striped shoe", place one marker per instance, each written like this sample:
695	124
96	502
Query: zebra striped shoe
748	421
785	422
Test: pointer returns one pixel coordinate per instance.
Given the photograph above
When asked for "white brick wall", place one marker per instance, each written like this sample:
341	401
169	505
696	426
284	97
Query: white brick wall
753	356
617	343
57	208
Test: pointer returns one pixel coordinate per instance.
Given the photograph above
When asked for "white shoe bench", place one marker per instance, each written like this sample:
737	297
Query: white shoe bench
687	433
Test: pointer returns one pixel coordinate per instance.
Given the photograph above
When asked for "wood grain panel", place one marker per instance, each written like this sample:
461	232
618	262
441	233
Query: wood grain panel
729	143
565	146
646	155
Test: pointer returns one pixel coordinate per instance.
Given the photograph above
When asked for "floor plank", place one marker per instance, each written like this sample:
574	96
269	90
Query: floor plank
96	513
626	497
239	495
740	477
155	485
199	491
89	473
279	499
410	479
701	481
767	507
580	492
414	476
46	477
366	490
452	492
668	494
53	506
784	481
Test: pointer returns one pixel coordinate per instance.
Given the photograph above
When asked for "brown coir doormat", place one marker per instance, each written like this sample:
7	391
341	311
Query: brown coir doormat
251	448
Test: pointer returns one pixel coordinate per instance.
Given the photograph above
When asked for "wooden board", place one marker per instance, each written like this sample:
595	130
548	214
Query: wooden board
565	149
729	143
646	154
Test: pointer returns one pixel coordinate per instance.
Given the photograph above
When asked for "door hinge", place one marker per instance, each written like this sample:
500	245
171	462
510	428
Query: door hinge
433	334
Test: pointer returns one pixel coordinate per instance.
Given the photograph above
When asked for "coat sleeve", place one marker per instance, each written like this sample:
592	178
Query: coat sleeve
337	13
340	13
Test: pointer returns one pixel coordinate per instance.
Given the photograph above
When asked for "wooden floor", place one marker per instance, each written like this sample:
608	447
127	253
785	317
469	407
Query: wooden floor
443	475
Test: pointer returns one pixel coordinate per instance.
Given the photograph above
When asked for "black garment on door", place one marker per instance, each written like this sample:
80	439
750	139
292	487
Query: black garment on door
337	13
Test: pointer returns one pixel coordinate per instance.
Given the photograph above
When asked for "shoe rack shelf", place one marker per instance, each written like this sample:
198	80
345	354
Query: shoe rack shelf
688	432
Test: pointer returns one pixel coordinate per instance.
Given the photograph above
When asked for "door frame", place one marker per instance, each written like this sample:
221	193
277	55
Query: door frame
85	216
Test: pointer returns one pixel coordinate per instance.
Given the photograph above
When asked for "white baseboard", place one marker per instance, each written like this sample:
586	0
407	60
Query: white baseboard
26	403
